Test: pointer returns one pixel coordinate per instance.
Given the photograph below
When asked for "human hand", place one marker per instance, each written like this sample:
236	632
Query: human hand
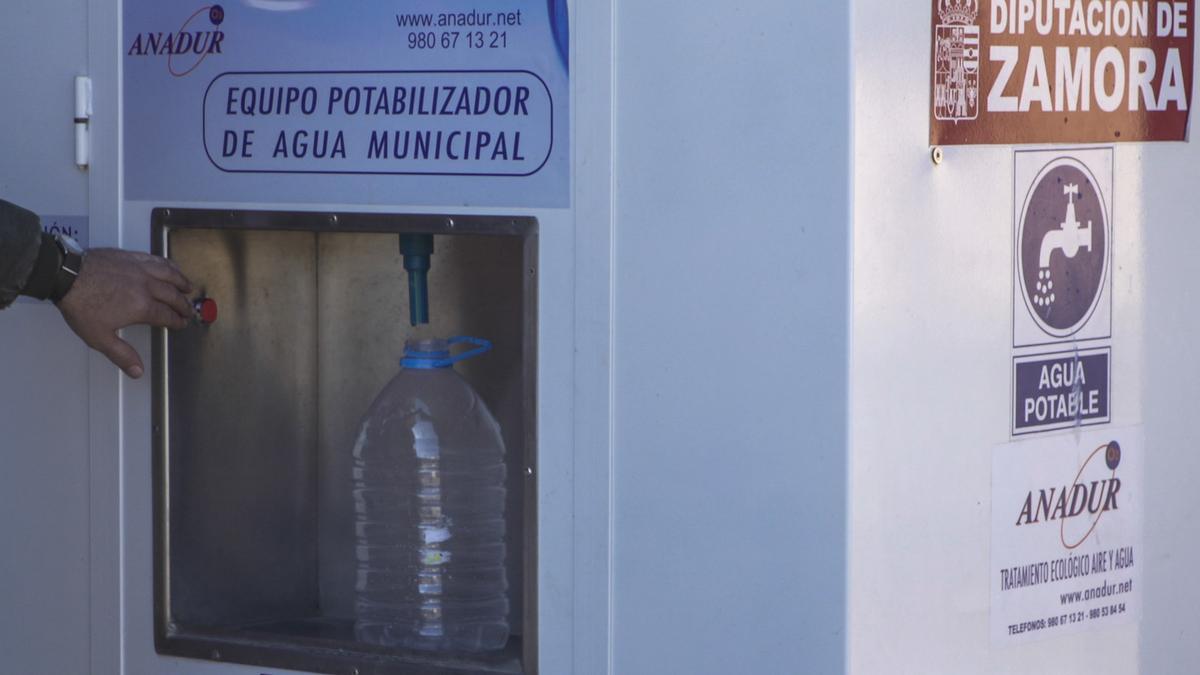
116	289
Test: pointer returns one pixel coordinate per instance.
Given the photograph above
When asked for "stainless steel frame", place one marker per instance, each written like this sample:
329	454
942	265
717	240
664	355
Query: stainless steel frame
245	441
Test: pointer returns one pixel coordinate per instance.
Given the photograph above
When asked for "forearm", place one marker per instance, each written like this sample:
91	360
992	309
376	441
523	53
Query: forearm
99	294
20	242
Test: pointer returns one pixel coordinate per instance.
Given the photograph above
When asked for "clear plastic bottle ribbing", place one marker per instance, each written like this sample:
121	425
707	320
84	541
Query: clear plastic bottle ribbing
428	479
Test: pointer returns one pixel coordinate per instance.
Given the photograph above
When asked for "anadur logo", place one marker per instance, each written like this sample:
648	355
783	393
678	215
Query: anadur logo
1078	507
185	49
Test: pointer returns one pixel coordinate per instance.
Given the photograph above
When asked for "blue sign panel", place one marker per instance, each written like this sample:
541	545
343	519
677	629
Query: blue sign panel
1058	391
436	103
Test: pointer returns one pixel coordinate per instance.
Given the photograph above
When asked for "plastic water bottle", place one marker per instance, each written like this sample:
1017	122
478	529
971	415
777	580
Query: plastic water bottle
428	495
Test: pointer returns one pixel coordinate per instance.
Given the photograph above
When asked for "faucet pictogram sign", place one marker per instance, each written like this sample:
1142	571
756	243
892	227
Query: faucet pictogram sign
1063	247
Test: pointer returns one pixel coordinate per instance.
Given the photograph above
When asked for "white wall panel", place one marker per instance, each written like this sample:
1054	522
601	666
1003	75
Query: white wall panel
931	381
732	151
44	414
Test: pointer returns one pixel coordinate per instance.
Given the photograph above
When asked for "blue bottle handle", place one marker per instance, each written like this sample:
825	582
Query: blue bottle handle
431	360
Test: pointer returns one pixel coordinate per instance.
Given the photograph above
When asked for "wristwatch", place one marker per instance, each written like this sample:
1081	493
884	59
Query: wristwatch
68	270
58	263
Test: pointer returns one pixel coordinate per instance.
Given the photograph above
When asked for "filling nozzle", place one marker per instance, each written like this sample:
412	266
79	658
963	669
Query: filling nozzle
416	249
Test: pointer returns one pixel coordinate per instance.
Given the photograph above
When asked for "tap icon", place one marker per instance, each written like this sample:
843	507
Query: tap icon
1070	236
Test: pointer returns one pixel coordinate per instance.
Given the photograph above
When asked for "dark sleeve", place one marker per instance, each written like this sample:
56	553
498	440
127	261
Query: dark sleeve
20	239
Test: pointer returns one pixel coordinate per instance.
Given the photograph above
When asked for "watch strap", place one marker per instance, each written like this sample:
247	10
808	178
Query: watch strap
43	279
68	272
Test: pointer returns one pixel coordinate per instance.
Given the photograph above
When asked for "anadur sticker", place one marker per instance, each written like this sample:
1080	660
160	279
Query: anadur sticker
1066	534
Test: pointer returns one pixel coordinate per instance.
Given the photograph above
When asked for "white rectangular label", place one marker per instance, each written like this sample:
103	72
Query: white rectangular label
1066	534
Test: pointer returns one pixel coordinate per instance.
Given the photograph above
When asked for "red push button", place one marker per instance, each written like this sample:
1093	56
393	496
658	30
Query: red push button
206	310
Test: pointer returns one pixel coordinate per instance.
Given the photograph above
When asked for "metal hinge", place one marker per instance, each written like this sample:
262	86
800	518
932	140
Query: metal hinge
83	115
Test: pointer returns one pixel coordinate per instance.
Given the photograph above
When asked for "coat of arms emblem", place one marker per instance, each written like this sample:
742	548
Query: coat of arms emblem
956	61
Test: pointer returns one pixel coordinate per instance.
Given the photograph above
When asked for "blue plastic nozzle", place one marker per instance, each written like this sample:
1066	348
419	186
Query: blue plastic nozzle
416	249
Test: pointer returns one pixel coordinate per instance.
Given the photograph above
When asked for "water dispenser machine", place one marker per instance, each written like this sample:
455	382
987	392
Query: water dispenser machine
280	540
609	337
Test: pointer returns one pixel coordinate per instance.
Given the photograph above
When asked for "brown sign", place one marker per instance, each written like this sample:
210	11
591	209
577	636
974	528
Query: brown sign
1060	71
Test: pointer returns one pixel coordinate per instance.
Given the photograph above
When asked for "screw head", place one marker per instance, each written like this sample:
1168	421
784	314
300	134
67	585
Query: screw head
937	154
